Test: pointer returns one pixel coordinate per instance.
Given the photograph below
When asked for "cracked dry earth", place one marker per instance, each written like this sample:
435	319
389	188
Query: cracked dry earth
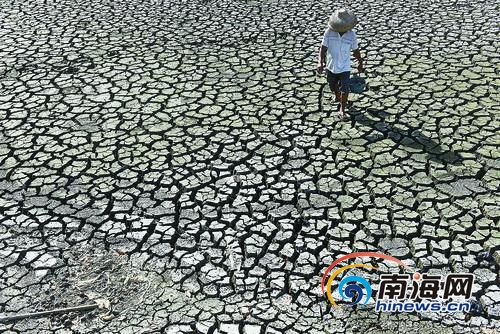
179	159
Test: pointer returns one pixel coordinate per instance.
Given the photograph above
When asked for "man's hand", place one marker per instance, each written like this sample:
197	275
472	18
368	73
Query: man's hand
321	59
357	55
320	68
361	69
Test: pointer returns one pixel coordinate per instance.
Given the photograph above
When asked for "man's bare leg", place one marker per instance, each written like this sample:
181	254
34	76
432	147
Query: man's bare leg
336	91
343	104
337	95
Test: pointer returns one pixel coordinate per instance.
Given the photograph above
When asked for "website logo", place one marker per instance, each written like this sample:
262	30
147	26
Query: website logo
397	292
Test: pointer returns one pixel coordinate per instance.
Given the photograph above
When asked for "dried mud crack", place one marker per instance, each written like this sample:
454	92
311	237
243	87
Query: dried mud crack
172	158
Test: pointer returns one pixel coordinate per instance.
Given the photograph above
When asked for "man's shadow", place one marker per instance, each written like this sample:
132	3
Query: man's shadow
412	138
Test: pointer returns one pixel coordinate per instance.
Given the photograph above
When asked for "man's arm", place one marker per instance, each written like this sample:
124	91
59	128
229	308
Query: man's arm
322	58
357	55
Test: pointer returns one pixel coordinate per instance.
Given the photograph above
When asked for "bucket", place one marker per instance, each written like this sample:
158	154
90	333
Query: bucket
357	84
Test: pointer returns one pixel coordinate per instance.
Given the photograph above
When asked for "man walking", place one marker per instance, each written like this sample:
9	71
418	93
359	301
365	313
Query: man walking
335	54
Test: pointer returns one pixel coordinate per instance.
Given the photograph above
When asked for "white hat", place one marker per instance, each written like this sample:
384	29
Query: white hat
342	20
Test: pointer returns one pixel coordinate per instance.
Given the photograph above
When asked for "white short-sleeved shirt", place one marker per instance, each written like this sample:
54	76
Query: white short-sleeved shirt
338	57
